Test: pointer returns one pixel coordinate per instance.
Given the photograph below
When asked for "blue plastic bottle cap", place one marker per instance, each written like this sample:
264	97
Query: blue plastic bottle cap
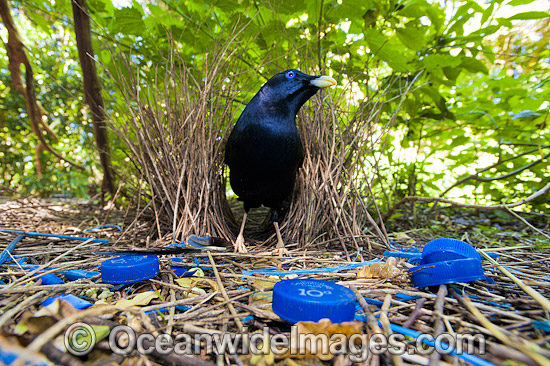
129	269
75	301
443	273
312	300
445	261
443	249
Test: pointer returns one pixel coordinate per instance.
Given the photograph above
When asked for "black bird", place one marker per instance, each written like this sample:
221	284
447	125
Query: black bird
264	150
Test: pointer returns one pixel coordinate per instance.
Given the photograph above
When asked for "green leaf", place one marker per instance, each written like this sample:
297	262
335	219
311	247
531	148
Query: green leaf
440	61
411	37
530	15
519	2
350	9
129	20
474	65
382	48
288	6
41	22
313	10
414	9
226	6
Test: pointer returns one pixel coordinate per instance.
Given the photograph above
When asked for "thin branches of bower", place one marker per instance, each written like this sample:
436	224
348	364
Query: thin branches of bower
176	137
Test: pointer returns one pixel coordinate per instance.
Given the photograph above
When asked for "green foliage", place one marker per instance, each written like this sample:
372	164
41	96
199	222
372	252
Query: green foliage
476	80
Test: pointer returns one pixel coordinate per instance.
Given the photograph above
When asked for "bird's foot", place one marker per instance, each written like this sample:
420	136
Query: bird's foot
280	251
239	245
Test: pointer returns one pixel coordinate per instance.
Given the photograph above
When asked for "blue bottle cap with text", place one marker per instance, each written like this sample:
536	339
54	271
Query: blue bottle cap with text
312	300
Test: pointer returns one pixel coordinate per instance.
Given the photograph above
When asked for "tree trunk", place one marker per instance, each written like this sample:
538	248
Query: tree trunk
92	91
17	56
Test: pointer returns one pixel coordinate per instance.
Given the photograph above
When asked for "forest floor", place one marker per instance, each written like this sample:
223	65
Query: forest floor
500	320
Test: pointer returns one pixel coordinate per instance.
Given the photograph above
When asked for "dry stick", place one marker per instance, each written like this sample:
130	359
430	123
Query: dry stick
526	222
531	349
467	205
53	288
529	290
55	329
11	313
508	314
36	271
224	294
396	359
439	326
416	312
371	319
188	315
187	301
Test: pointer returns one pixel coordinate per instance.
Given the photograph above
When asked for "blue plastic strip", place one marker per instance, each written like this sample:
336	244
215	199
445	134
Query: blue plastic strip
388	253
400	248
471	359
103	226
19	260
32	233
542	325
6	252
269	271
77	274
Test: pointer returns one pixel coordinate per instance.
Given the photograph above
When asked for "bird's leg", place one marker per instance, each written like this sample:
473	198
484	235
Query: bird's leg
239	243
280	249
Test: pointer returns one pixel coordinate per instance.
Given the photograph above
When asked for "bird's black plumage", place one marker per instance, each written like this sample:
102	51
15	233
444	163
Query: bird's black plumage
264	150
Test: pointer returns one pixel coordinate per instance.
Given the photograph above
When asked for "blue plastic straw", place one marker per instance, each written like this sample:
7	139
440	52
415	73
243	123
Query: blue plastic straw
6	252
32	233
103	226
471	359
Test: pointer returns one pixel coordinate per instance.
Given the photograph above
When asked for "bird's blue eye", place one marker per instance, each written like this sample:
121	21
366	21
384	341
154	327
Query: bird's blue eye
290	75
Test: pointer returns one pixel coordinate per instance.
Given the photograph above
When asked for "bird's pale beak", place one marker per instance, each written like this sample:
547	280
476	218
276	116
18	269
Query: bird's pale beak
323	81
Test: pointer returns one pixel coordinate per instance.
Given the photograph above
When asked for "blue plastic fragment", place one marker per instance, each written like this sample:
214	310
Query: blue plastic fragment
248	319
403	297
77	274
388	253
493	255
156	311
542	325
181	271
400	248
10	356
369	301
6	252
177	245
18	260
47	279
75	301
104	226
312	300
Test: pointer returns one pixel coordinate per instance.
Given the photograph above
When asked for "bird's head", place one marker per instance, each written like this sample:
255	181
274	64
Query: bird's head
290	89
